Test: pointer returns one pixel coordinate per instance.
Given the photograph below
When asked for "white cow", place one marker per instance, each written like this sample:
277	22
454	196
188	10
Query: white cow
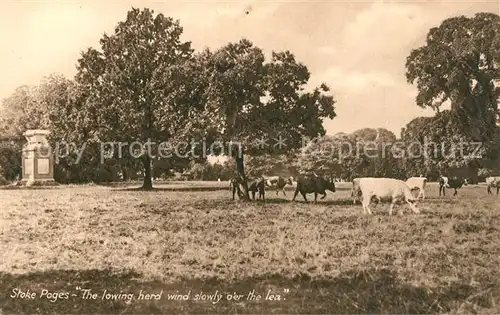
356	191
493	181
417	183
385	189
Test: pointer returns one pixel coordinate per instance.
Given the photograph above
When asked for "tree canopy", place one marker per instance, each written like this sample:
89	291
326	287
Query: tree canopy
132	92
261	105
459	63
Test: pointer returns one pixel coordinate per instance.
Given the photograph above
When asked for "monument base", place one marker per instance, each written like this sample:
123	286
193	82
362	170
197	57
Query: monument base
40	182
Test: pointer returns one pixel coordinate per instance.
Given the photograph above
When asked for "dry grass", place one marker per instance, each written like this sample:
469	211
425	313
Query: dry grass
330	257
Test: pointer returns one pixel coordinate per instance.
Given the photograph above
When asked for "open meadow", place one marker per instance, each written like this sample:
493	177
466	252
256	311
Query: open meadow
319	258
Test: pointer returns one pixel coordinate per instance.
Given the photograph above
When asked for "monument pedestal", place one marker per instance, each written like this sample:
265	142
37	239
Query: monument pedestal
37	160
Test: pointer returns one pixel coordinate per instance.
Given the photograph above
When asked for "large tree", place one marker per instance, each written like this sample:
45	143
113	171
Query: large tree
459	63
247	101
132	83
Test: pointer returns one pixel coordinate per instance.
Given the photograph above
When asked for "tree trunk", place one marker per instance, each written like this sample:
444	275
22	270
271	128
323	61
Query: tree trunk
125	174
240	167
148	183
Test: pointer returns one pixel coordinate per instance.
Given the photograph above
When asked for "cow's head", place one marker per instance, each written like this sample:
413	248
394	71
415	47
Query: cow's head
331	184
465	182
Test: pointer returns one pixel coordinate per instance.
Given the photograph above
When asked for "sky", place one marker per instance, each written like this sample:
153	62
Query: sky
358	48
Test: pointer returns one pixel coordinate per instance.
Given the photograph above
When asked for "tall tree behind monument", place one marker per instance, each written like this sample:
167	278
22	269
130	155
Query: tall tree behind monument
131	83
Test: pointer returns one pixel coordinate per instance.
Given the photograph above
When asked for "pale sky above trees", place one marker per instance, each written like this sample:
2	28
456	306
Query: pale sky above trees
357	48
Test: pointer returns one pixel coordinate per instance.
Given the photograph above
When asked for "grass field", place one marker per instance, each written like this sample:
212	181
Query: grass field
320	258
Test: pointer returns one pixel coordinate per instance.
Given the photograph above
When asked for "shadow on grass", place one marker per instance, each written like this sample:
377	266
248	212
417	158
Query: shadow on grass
334	202
373	291
280	201
29	187
176	187
163	189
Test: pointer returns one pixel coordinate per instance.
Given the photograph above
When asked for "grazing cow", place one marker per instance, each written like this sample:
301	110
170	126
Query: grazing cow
257	185
385	189
454	183
356	191
417	183
279	182
493	182
313	184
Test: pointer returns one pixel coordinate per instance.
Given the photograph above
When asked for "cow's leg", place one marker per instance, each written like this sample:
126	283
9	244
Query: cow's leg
455	193
324	195
277	189
366	204
234	191
304	195
443	189
315	196
253	195
296	193
391	206
375	201
488	189
283	190
498	188
240	190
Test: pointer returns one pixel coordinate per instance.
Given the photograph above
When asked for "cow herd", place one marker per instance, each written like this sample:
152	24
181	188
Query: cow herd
366	189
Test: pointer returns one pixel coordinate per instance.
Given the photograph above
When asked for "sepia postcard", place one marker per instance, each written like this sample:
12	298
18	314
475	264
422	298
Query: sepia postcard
250	157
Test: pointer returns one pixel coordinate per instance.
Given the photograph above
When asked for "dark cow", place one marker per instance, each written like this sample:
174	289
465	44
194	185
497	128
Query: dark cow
313	184
454	183
254	186
279	182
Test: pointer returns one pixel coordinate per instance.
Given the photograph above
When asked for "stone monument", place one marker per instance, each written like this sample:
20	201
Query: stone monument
38	159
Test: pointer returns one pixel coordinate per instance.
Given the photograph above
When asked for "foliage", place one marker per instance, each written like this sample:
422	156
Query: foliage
207	171
243	98
459	63
438	145
272	165
365	152
132	84
21	111
10	160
